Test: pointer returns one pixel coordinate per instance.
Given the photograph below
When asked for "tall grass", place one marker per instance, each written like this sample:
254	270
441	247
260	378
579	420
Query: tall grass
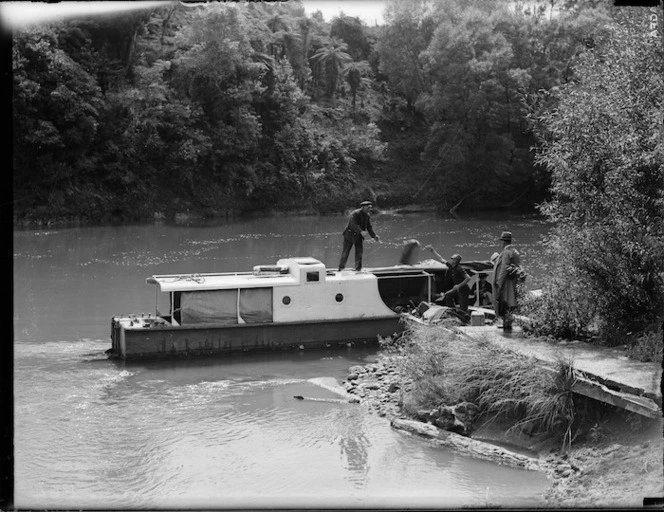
446	368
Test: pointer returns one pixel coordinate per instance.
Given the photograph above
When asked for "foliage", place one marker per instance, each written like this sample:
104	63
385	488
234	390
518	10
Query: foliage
647	347
356	75
231	107
400	44
351	31
565	310
182	107
483	62
329	61
56	111
605	157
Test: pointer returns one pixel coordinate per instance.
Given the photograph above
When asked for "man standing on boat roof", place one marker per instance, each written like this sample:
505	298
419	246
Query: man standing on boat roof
506	272
358	227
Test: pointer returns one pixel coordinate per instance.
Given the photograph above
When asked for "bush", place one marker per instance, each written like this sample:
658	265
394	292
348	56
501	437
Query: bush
566	309
647	347
607	185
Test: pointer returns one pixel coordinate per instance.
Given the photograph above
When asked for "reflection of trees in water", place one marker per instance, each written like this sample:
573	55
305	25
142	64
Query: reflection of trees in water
354	446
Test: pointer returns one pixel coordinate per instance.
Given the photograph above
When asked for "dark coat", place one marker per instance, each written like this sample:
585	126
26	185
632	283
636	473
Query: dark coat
358	221
502	282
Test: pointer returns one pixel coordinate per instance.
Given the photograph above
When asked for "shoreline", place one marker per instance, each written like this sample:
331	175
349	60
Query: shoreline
26	222
618	466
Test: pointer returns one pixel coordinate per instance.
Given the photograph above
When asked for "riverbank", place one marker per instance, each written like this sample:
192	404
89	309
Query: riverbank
615	459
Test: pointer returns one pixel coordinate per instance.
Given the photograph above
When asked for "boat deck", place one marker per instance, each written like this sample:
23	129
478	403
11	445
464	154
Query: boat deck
603	373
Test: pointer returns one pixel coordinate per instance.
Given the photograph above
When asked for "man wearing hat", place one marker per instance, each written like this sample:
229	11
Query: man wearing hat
505	275
454	287
358	227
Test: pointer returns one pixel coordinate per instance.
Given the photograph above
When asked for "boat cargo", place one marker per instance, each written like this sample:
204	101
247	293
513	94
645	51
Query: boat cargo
294	304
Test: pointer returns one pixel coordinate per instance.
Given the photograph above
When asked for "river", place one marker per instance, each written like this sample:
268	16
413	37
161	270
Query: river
222	432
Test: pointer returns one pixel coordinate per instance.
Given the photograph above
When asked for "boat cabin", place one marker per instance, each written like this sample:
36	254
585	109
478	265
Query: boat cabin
295	289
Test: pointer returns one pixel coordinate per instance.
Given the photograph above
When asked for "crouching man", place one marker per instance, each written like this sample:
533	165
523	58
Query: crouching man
455	287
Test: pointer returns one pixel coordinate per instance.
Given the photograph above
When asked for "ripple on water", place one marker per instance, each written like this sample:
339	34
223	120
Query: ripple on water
96	427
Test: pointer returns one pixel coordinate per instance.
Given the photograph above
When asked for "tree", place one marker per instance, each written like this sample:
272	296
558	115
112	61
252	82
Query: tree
329	60
351	31
216	70
306	26
484	67
472	104
56	107
406	35
603	147
355	73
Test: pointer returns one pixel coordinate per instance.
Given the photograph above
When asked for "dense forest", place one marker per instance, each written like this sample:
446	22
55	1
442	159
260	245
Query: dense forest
226	108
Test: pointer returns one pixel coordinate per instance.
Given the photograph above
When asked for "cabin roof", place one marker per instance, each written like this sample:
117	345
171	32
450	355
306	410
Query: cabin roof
225	281
283	274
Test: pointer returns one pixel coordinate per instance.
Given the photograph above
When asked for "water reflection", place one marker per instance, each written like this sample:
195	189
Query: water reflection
354	446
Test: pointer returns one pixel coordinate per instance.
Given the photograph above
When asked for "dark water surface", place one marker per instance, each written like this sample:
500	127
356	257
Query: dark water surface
222	432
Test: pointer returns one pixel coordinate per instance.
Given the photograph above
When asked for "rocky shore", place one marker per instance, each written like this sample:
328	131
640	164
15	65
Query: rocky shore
616	466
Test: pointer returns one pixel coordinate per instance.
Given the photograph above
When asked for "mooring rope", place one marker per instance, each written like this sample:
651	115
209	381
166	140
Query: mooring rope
196	278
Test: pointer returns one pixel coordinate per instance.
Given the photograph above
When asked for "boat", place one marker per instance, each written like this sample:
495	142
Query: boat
297	303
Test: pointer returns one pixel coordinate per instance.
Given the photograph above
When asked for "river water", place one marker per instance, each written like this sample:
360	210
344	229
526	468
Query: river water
222	432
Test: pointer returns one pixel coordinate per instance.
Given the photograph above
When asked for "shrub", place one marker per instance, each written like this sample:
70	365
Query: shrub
566	309
647	347
607	184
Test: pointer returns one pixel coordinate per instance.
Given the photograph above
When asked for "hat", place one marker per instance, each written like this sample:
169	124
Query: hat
506	236
366	203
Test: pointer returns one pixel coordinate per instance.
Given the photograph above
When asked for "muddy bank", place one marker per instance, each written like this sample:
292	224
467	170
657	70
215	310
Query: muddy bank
617	464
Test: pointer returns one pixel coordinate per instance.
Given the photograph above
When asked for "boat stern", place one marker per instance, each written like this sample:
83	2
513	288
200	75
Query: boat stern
121	324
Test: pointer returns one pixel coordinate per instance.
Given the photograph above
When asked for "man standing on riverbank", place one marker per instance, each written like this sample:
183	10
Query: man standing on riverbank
505	274
358	227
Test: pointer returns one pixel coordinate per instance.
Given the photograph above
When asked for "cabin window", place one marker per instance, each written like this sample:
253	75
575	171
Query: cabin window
339	297
313	277
256	305
209	307
286	300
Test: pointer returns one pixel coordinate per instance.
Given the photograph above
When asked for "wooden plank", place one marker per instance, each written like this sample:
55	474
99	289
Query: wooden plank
637	404
466	445
597	391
